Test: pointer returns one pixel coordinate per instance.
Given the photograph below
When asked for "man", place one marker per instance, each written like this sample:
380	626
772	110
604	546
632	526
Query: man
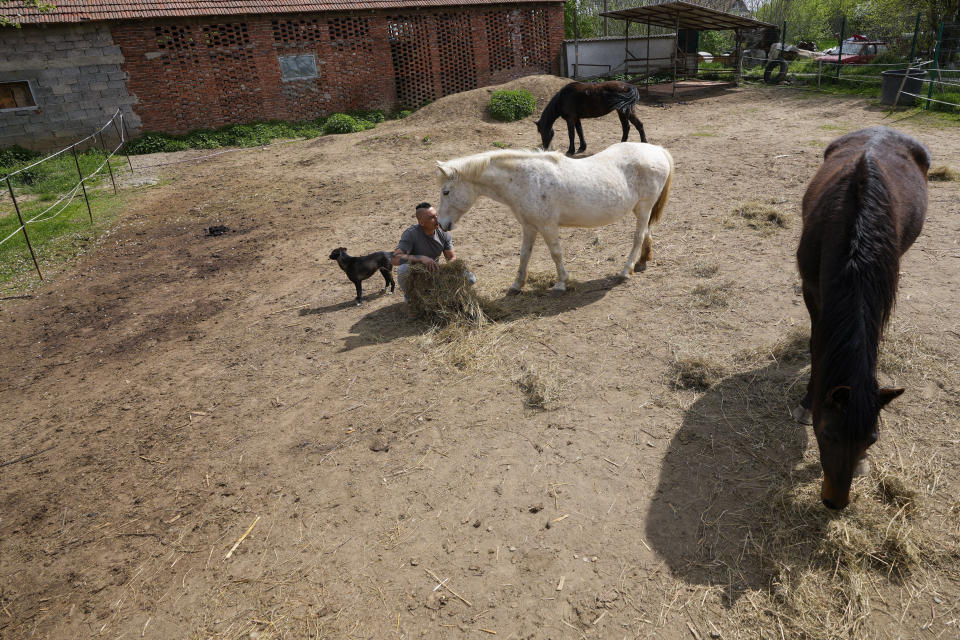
422	243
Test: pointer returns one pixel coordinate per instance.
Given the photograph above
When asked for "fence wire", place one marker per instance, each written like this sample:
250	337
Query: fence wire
64	199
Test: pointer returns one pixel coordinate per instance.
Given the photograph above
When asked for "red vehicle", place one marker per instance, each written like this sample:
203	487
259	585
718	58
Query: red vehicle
854	52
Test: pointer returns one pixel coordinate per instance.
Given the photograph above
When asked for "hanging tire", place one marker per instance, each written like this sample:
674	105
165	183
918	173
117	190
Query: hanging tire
775	71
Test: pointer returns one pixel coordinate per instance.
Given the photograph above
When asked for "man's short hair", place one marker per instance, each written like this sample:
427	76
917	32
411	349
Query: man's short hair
423	205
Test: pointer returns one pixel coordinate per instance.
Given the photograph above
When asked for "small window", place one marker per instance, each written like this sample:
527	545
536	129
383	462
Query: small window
298	67
16	95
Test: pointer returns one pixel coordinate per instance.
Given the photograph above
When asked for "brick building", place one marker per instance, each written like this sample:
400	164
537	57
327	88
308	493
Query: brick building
177	66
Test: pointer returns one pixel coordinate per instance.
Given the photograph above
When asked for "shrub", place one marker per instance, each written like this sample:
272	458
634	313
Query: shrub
341	123
370	115
15	154
508	106
403	113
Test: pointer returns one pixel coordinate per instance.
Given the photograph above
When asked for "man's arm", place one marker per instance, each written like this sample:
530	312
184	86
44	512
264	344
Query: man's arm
399	258
449	255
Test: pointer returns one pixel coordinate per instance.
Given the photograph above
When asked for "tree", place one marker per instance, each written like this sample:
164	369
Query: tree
13	19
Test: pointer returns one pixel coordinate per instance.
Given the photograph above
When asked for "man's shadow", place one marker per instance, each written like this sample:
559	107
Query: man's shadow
725	484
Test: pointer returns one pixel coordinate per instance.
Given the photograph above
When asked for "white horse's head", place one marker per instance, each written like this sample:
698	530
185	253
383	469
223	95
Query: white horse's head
456	195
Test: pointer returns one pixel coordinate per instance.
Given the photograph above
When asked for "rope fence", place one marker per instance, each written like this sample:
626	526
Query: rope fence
66	198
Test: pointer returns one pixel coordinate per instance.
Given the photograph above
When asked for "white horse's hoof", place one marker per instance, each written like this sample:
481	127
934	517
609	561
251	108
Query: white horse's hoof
625	274
513	291
801	415
559	288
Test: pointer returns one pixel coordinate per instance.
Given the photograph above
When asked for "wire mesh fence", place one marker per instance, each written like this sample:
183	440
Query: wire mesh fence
869	48
37	196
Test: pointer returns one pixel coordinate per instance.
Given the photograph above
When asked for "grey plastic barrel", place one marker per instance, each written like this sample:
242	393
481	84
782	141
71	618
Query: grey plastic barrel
890	85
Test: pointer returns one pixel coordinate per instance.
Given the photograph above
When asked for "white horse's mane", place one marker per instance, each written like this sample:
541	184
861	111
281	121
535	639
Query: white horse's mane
472	167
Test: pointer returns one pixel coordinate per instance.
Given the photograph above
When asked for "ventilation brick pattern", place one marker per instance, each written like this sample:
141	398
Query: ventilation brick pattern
193	73
455	43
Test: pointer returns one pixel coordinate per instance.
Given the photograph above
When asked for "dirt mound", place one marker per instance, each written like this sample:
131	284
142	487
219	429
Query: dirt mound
472	105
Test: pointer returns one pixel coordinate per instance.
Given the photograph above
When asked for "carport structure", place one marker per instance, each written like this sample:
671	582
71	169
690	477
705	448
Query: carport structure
684	18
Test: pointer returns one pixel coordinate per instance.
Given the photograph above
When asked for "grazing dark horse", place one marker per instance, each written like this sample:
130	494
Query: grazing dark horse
590	100
861	212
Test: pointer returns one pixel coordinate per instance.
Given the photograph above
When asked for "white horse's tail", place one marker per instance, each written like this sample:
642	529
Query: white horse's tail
664	193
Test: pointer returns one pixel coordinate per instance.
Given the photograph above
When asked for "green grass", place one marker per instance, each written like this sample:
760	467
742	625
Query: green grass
261	133
55	241
37	189
53	177
858	80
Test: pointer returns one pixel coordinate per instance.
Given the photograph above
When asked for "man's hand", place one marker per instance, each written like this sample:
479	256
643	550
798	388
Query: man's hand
429	263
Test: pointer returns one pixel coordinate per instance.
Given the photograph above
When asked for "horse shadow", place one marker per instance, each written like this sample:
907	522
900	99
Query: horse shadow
537	299
394	321
726	500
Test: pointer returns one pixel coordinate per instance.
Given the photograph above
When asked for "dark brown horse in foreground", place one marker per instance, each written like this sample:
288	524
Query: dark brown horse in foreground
590	100
862	211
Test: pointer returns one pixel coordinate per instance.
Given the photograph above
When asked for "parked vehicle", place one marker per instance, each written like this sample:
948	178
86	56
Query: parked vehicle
854	52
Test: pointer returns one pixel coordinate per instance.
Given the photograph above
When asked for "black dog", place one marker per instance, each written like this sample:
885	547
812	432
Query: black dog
359	269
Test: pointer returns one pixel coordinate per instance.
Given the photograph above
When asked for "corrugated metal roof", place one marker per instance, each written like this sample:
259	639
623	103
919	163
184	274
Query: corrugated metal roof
685	15
89	10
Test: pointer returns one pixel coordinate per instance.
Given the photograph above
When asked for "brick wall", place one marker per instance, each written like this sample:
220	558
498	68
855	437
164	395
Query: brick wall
199	73
75	75
175	75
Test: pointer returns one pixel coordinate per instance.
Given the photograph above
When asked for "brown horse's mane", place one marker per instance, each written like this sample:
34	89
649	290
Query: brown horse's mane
859	288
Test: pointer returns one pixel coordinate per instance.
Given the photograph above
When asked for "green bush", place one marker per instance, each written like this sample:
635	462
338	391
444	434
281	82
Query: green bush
341	123
370	115
508	106
403	113
14	155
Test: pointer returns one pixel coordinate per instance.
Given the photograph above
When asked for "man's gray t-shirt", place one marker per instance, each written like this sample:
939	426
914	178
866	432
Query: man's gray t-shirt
415	242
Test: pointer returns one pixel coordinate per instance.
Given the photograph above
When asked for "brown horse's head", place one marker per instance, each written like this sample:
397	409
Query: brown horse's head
843	444
546	133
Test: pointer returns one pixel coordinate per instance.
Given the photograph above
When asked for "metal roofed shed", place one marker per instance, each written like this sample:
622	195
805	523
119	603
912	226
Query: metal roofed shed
686	18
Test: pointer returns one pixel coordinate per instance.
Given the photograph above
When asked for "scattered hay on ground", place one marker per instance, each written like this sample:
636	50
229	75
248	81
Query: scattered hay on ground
471	348
696	373
943	174
540	386
709	296
446	297
760	216
705	269
793	347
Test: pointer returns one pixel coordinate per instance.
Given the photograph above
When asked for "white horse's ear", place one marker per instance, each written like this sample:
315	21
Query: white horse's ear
446	171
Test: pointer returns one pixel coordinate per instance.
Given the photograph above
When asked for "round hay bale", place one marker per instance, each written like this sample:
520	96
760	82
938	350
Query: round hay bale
446	297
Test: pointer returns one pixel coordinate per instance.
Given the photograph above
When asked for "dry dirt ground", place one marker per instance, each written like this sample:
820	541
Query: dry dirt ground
175	392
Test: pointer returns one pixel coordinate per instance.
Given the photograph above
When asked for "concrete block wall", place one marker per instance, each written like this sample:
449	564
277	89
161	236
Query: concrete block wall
76	76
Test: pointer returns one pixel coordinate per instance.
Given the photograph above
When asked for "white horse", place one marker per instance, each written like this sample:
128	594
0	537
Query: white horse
547	190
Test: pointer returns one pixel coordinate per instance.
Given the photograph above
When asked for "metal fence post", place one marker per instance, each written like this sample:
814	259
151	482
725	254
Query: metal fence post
82	185
109	168
936	64
123	138
23	228
903	80
843	29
